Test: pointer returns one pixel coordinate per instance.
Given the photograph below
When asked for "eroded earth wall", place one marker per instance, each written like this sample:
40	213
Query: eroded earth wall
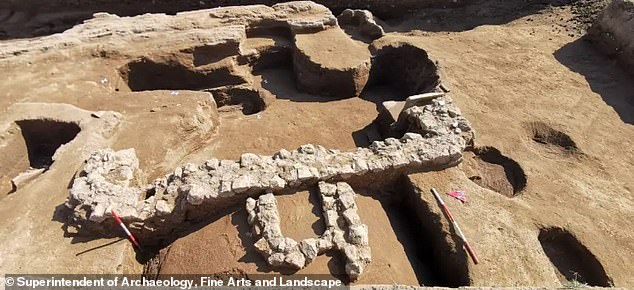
381	8
613	32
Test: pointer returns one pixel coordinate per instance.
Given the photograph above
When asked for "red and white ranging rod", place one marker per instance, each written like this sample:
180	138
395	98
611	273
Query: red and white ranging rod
127	232
470	250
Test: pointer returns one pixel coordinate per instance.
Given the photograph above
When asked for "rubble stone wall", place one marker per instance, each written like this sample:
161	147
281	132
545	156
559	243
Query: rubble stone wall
196	191
349	236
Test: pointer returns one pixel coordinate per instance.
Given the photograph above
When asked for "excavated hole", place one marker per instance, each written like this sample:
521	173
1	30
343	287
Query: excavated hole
547	136
574	262
43	137
227	89
273	45
420	232
209	54
488	168
171	74
248	100
405	67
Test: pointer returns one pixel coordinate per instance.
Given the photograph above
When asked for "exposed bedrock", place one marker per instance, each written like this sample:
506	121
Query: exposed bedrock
613	32
195	191
330	63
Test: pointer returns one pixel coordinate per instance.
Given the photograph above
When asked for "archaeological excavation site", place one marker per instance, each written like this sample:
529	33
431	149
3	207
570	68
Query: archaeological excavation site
399	144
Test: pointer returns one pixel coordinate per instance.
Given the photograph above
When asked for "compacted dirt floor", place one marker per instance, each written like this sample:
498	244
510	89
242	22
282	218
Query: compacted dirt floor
549	183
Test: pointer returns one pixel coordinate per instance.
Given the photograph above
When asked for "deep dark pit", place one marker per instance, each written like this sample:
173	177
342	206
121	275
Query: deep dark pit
43	137
435	260
573	261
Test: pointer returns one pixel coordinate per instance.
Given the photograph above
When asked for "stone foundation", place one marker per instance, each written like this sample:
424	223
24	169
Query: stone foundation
195	191
344	231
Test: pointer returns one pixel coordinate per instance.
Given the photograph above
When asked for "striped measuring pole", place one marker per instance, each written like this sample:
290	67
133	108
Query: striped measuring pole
125	229
470	250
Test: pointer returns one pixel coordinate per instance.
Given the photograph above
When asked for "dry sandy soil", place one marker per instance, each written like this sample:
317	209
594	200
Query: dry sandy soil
549	184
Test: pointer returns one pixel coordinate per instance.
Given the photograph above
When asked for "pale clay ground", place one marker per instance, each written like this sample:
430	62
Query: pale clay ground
501	77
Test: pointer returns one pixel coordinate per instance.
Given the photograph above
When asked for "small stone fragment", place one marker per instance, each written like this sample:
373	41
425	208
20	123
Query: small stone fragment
295	260
263	247
163	208
309	248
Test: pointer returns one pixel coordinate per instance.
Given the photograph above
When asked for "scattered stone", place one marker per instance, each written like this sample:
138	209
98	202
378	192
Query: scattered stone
295	260
310	249
249	160
262	245
195	194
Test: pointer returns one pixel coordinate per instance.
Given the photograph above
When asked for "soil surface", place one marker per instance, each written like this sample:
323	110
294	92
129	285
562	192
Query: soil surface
558	111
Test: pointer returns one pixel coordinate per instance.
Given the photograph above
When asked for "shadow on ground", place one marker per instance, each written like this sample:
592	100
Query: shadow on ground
281	83
479	12
604	76
26	20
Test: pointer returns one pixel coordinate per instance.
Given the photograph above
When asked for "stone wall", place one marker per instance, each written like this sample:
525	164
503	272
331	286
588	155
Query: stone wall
344	231
197	191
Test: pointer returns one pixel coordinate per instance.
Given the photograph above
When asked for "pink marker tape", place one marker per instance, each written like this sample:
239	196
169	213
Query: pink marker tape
459	195
127	232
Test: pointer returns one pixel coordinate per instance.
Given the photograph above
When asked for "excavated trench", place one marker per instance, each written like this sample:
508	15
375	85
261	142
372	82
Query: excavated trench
397	71
573	261
147	74
212	69
43	137
433	252
28	148
274	46
489	168
402	69
171	73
